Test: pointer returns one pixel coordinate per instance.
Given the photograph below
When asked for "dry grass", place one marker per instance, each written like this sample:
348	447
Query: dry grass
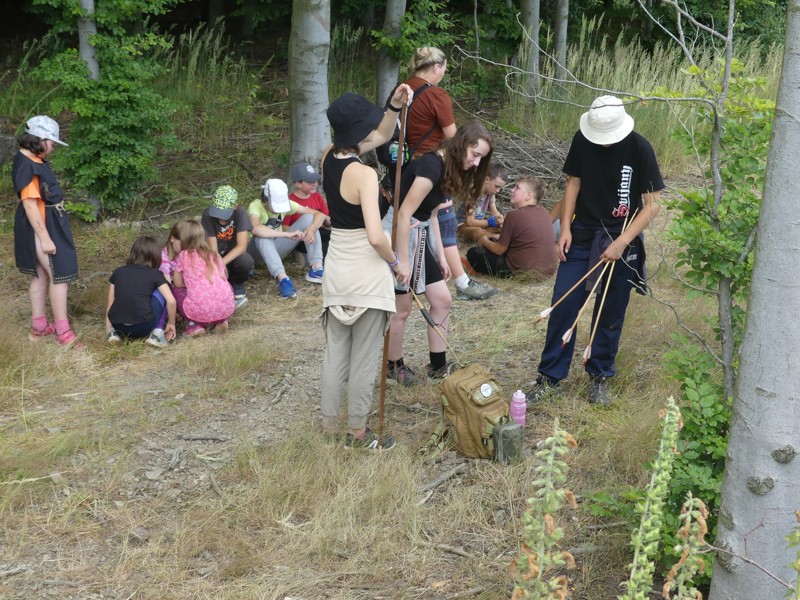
270	511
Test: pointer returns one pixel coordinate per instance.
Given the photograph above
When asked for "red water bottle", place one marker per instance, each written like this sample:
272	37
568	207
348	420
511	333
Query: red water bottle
518	407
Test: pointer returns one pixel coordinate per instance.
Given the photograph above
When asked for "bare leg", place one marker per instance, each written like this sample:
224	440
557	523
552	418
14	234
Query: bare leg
398	326
440	299
454	261
58	291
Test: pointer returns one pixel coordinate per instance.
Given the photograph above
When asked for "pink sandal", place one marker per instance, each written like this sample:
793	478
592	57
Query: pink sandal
36	334
68	339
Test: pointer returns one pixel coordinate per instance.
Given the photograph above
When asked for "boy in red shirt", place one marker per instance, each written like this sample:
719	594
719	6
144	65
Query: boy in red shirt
306	179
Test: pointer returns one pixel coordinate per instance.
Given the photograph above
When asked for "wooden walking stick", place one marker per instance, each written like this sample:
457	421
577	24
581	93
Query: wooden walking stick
401	155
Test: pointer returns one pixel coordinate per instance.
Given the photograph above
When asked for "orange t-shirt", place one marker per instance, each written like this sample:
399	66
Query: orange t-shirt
32	191
432	107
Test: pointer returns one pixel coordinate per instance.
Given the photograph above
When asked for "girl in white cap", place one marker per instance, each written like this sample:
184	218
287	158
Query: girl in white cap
613	186
43	245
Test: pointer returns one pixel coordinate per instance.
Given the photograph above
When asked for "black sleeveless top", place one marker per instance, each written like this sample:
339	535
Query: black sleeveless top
344	215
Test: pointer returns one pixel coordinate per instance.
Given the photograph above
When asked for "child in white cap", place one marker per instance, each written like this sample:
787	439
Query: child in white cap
271	242
43	245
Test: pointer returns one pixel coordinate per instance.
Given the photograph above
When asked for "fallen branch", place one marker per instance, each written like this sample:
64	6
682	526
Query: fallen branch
14	571
442	478
465	594
215	485
426	498
280	393
201	437
30	479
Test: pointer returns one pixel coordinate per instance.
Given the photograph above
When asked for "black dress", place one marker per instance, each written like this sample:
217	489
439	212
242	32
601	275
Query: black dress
64	263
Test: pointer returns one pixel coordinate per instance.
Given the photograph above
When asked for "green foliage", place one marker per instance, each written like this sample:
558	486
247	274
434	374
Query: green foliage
121	121
703	441
540	554
717	238
426	23
645	538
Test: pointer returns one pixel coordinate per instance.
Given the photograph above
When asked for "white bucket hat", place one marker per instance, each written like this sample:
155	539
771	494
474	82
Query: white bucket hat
45	128
606	121
277	194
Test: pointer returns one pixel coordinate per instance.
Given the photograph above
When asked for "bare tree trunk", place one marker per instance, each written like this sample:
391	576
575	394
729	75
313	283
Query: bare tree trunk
86	29
560	42
309	46
761	489
530	46
216	10
388	67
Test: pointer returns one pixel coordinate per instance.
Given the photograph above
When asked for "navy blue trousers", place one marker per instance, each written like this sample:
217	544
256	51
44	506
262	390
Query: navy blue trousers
555	358
158	306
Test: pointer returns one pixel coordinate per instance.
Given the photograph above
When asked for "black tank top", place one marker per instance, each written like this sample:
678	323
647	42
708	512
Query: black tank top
344	215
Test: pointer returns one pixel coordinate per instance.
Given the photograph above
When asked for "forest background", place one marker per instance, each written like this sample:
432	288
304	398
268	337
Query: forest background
181	107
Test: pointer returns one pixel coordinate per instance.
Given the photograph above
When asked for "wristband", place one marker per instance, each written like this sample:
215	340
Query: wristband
396	261
392	108
492	221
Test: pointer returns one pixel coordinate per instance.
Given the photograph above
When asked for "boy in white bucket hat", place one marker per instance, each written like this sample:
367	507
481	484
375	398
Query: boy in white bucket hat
613	186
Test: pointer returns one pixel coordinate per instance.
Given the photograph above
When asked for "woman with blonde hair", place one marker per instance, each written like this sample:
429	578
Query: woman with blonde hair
430	119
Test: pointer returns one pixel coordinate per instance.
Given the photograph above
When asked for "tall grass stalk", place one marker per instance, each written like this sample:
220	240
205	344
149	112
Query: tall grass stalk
623	68
350	66
213	83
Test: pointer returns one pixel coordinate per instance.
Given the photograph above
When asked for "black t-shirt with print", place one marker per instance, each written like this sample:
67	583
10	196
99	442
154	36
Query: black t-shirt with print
430	166
613	178
226	234
133	286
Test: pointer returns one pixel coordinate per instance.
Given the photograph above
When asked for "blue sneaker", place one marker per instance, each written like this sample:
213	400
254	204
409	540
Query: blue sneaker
286	288
314	275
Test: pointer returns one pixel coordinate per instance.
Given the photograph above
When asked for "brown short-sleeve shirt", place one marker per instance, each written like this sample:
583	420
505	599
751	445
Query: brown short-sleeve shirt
432	107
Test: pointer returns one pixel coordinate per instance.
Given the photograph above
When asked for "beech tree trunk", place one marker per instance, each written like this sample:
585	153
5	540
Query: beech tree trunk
86	29
560	42
388	67
761	488
530	46
309	46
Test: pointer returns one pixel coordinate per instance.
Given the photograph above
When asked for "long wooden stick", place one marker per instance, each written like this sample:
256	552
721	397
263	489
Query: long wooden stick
546	312
568	334
396	204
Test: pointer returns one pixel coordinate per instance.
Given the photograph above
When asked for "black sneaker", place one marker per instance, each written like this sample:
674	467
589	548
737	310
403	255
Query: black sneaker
369	441
401	374
542	387
599	393
441	372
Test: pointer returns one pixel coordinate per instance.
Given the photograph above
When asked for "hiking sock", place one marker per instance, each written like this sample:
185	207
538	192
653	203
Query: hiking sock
462	282
438	360
39	323
62	326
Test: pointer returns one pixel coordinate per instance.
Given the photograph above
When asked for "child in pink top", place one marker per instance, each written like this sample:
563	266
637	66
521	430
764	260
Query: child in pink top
208	299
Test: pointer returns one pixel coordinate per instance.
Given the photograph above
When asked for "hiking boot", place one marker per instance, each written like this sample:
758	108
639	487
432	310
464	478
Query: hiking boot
369	441
157	339
314	275
542	387
194	329
36	334
475	290
239	302
113	337
441	372
401	374
286	288
599	393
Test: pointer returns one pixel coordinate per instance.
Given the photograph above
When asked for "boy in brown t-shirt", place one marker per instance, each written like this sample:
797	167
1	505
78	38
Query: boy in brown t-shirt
526	242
